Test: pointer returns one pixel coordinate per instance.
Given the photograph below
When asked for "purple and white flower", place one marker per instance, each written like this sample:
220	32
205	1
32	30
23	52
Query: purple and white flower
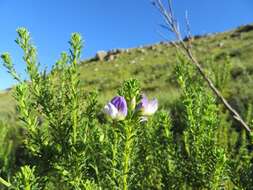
116	108
146	107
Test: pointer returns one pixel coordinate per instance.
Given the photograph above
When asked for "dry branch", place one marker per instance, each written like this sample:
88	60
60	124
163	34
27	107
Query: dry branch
186	49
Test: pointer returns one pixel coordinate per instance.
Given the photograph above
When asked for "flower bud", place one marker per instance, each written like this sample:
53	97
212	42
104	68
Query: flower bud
116	108
133	103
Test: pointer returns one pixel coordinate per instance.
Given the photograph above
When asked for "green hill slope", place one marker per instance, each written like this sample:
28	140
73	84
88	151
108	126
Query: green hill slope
154	65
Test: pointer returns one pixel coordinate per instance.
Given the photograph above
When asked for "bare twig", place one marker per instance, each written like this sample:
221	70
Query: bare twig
186	49
188	28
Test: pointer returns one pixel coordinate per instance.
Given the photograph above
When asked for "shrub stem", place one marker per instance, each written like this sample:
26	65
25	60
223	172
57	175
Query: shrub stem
126	156
114	154
5	183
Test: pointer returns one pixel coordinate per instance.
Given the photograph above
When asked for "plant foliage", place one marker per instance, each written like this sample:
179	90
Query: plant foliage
68	142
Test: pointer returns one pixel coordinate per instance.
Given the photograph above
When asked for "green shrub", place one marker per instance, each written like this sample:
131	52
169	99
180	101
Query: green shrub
71	142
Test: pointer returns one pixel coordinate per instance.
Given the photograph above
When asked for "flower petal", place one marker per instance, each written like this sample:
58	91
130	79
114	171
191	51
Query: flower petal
111	110
147	107
152	106
143	119
120	103
144	103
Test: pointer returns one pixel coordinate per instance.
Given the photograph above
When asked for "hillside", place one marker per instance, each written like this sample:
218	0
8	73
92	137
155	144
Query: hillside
154	65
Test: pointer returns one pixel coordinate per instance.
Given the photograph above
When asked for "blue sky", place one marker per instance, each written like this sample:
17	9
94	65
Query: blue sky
105	24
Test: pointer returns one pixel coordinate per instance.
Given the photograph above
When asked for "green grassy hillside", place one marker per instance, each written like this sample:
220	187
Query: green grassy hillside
154	65
7	105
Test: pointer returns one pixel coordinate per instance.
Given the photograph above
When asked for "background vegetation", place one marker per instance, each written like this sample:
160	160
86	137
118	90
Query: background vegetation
154	66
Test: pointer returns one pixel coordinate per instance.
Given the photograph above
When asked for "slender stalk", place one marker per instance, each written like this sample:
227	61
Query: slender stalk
186	49
126	156
114	154
5	183
74	99
74	119
75	51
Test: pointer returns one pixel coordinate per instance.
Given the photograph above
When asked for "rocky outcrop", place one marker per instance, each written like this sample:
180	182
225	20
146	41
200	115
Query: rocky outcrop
110	55
100	55
245	28
238	32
